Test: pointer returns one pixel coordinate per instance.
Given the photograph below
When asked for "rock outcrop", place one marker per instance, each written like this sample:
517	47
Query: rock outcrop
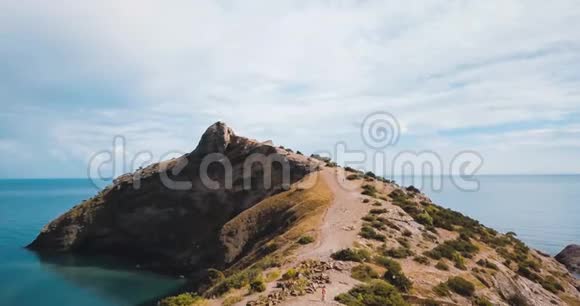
168	216
570	257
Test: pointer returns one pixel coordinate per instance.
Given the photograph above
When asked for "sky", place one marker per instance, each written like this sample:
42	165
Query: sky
499	78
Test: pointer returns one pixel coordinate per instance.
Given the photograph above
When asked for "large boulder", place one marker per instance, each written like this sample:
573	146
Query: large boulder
166	216
570	257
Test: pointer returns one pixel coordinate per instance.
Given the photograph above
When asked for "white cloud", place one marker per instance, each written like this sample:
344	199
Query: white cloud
301	73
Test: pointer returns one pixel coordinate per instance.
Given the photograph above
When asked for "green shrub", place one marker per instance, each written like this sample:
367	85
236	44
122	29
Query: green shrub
377	204
352	177
481	301
370	174
215	276
369	218
441	290
401	252
442	266
257	285
306	239
369	190
378	225
429	236
366	200
424	218
527	273
395	275
461	286
236	280
184	299
407	233
404	242
231	300
356	255
390	224
364	273
551	284
376	293
268	262
377	211
459	261
448	248
517	300
370	233
421	259
487	264
290	274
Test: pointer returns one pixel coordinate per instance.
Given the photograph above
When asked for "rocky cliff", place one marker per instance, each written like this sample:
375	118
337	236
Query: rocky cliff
165	217
363	238
570	257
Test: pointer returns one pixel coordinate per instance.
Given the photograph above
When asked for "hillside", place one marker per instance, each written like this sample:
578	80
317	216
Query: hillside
363	238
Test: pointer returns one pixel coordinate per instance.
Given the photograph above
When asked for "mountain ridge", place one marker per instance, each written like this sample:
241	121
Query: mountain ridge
361	237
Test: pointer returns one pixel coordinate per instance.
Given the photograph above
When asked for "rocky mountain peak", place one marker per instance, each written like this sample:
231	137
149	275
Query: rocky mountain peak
215	139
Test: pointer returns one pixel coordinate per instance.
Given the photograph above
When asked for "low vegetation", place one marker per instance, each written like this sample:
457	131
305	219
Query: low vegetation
352	177
377	211
257	285
369	190
449	248
421	259
184	299
487	264
369	233
377	292
441	265
235	281
456	284
394	274
481	301
364	273
306	239
231	300
356	255
461	286
400	252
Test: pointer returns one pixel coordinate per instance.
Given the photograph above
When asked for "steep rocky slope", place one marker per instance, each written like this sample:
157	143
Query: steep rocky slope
149	217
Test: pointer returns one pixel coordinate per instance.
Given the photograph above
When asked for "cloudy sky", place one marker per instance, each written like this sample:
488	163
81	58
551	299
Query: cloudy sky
501	78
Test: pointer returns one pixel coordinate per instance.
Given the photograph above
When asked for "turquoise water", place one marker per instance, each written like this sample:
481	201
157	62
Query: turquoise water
543	210
26	279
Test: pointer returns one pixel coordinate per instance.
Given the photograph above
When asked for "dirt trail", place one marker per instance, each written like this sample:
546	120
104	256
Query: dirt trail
341	220
340	228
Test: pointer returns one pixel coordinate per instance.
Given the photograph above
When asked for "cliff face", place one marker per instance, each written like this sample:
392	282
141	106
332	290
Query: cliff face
164	216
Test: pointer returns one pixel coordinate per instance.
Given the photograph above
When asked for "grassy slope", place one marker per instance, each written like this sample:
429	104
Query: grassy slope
263	235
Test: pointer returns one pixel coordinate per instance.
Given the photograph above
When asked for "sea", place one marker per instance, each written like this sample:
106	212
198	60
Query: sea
543	210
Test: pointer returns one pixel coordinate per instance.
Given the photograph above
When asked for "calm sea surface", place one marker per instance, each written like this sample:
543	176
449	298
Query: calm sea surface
26	279
543	210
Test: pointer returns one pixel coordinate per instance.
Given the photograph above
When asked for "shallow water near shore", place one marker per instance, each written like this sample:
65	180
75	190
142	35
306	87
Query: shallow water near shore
543	211
27	278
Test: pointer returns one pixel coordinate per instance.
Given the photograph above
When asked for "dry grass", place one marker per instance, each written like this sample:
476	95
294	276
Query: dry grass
278	221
